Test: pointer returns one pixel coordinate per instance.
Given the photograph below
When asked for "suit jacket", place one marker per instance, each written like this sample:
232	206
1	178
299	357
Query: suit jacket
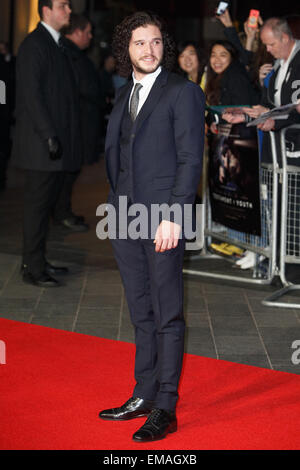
167	144
47	105
91	102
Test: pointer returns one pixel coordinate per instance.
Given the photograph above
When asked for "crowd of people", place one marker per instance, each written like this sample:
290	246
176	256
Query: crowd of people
243	69
262	70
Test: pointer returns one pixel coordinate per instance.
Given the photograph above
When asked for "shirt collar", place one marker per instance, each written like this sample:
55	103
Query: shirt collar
55	34
147	79
287	61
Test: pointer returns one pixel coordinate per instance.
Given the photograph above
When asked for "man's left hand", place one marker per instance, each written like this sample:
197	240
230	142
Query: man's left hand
266	126
167	236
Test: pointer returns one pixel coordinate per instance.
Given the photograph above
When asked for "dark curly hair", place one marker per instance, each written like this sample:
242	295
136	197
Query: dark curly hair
122	36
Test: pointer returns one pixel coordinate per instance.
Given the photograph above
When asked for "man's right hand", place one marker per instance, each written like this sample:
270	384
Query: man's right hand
263	72
55	148
255	111
233	118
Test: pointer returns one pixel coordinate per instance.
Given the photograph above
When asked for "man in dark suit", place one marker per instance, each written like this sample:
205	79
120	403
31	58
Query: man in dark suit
78	36
47	135
283	87
154	149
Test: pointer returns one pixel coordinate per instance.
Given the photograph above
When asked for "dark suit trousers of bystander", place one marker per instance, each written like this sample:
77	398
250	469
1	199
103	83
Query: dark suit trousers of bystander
40	194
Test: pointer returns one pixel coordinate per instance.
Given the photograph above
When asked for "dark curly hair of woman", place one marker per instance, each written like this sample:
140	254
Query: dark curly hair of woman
122	36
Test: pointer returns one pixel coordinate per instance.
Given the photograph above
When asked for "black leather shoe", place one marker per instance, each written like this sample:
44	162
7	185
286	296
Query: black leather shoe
43	281
79	218
74	224
158	425
50	269
133	408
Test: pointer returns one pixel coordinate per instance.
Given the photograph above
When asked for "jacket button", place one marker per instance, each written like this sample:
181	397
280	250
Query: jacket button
132	136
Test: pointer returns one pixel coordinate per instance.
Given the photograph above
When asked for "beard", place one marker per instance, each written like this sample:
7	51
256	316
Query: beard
147	68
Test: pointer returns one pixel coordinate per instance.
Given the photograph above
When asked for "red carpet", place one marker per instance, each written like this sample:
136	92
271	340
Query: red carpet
54	383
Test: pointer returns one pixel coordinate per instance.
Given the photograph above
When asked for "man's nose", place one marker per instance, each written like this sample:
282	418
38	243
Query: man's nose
148	47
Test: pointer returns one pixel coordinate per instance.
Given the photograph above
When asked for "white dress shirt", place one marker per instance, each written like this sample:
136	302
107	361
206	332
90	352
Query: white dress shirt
147	82
55	34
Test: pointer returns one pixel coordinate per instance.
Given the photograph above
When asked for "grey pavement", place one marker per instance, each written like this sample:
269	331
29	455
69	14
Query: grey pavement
224	320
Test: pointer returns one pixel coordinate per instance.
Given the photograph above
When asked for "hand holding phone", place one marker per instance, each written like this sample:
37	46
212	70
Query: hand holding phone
253	19
221	8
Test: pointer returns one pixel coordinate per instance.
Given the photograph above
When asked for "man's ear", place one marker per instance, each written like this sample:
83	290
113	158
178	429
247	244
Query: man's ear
45	12
285	38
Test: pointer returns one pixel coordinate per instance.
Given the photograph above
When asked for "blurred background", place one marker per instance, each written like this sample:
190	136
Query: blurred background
187	19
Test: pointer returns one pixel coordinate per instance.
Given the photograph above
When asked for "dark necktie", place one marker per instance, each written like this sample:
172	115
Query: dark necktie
134	103
61	44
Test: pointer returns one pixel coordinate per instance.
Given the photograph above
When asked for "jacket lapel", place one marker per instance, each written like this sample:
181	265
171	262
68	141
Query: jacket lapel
41	29
112	154
114	126
153	98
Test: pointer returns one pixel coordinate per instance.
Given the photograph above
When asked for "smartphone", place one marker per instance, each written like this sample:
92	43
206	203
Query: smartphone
253	18
221	8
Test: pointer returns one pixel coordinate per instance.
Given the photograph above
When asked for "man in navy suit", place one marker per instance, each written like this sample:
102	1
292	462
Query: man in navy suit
154	148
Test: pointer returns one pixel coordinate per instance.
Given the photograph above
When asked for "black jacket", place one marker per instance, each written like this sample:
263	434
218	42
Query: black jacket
91	102
290	91
47	105
245	56
236	87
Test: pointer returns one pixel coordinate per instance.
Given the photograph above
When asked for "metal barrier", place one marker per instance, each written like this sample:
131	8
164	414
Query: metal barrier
264	246
290	226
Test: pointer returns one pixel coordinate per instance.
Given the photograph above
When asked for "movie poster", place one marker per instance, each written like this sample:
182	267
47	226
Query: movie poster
234	178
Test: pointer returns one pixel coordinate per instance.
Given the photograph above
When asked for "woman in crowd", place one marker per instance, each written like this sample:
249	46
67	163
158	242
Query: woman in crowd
227	84
227	81
253	53
192	62
247	47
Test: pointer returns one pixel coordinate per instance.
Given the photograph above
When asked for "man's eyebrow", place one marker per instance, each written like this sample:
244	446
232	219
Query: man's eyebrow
153	39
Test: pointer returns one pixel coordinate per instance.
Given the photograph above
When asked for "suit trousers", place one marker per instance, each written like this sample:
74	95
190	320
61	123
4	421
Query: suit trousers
40	194
154	290
63	206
